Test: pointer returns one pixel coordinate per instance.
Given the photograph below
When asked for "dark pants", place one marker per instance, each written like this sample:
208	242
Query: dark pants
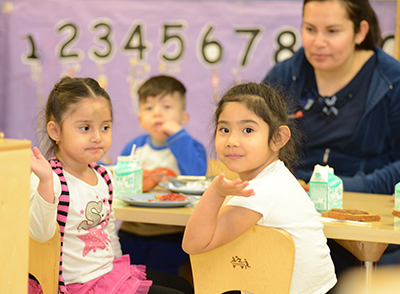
165	283
162	253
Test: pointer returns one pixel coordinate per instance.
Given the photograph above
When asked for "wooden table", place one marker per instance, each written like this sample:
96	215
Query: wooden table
385	231
166	216
366	242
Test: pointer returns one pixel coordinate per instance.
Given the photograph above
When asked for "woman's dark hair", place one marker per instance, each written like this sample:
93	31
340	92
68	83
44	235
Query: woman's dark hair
359	10
266	103
67	93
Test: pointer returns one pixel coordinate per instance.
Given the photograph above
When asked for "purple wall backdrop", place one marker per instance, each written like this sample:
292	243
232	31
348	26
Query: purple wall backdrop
224	42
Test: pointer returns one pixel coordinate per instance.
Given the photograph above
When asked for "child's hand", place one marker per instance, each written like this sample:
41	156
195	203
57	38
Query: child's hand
40	166
170	127
224	187
42	169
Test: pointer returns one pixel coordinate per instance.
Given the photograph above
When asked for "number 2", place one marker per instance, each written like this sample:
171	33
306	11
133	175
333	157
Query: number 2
63	50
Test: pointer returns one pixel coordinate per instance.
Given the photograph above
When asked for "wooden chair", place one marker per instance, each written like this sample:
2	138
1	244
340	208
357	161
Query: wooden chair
260	261
44	262
215	167
396	53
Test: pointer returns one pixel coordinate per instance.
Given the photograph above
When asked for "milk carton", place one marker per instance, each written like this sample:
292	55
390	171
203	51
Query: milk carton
128	176
326	189
397	197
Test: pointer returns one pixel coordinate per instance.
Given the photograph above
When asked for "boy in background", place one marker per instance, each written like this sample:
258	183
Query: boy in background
162	114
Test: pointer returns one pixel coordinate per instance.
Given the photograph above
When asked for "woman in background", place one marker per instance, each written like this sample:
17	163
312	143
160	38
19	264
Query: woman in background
347	97
348	92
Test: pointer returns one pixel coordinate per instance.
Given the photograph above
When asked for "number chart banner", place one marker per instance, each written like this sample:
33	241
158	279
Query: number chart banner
208	45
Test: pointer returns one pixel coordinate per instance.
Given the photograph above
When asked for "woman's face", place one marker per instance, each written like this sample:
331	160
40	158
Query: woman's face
328	35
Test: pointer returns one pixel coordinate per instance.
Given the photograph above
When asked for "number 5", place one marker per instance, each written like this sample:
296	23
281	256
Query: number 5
173	38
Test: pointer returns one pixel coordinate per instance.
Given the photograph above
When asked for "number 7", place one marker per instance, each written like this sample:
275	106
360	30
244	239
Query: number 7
254	33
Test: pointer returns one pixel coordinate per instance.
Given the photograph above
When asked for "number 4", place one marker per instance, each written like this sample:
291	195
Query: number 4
134	41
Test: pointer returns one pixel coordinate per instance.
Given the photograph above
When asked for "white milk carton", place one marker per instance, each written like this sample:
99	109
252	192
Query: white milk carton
397	197
326	189
128	176
397	206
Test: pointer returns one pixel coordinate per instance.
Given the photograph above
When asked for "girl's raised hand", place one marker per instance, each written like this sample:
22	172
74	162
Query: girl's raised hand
224	187
42	169
40	166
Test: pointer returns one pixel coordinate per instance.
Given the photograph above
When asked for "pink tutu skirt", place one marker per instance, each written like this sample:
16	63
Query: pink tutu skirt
123	279
34	287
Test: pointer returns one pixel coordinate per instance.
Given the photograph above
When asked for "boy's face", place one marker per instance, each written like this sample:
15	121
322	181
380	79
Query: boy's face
162	116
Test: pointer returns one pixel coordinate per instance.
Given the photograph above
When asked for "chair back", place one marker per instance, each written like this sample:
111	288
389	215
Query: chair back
260	261
215	167
44	262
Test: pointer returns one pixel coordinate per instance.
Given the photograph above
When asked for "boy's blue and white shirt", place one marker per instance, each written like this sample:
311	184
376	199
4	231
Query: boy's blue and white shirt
181	153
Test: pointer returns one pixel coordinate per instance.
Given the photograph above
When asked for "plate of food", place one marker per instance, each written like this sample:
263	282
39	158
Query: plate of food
187	184
158	199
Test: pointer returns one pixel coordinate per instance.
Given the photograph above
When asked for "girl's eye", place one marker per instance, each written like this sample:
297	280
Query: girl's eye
167	106
106	128
85	128
309	29
224	130
148	108
247	130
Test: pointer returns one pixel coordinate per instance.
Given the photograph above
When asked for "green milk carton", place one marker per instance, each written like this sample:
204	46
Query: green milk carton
397	197
326	189
397	206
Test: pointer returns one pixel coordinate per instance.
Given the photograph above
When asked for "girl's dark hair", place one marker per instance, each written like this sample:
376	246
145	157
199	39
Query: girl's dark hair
269	105
67	93
359	10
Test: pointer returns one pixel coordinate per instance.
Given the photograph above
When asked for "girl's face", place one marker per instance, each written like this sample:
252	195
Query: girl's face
328	35
86	132
241	141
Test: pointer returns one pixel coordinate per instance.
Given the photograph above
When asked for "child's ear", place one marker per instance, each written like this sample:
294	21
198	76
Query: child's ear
185	118
280	138
139	116
53	130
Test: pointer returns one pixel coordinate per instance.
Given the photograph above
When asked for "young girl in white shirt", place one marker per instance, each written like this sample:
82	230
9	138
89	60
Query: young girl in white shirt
76	193
252	138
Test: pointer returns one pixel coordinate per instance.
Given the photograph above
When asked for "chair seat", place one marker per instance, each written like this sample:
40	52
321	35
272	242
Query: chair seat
44	262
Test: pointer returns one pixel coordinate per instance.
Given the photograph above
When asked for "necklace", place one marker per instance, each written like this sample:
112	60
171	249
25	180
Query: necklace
327	107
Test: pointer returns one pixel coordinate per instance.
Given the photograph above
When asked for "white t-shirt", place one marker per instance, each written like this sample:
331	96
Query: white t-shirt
284	204
90	242
154	158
